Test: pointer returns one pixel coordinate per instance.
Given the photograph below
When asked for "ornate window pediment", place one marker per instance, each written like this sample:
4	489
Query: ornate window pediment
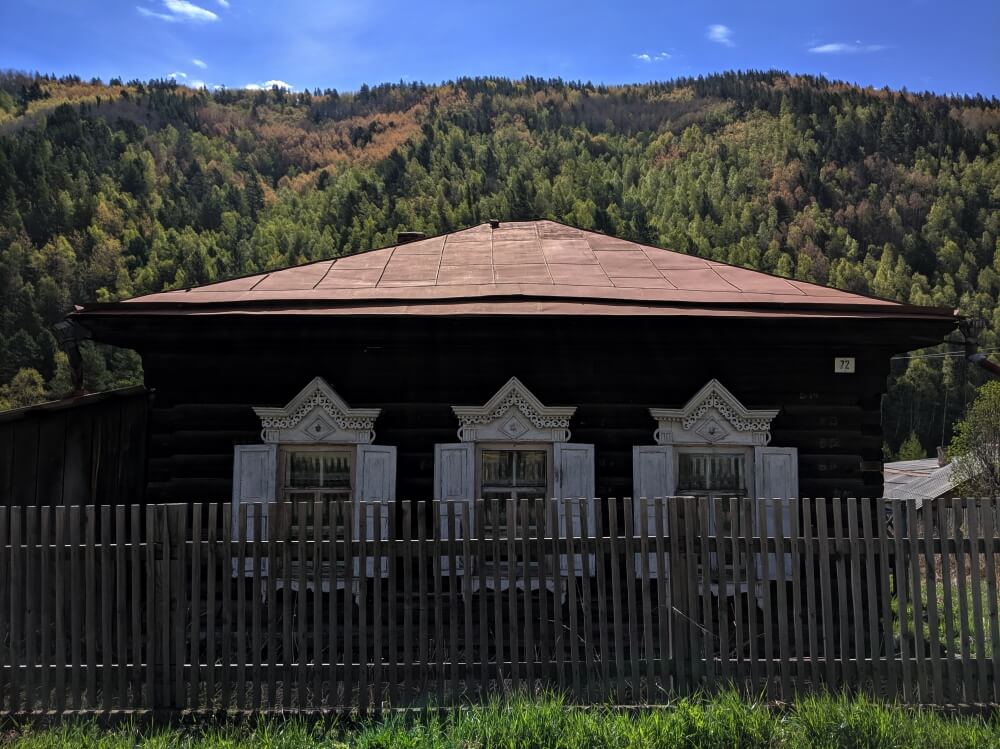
713	416
317	414
514	414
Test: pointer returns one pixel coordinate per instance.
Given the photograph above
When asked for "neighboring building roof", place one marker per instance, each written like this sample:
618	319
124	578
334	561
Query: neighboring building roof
520	268
897	475
920	480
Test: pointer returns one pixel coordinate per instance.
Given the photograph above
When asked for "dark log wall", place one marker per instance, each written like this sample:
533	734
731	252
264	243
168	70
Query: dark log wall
208	377
87	450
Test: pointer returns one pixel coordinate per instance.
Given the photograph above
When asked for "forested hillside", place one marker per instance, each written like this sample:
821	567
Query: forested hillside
112	190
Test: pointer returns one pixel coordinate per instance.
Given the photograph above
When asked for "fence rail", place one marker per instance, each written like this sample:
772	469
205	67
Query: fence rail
169	607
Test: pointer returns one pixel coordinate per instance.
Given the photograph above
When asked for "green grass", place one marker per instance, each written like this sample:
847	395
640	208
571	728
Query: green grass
727	721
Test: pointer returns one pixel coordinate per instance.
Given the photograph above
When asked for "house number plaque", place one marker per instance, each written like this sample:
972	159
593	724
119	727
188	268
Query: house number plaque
843	365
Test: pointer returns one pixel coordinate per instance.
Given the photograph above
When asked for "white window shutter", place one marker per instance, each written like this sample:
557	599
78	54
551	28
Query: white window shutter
574	479
776	484
652	477
375	490
255	471
454	481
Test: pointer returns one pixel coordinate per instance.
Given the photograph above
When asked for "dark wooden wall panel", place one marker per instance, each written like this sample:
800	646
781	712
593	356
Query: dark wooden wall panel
207	382
85	450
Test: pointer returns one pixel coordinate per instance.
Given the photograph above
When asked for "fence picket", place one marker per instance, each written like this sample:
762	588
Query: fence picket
30	633
843	592
781	603
975	543
930	575
916	598
60	563
989	527
902	588
409	672
211	613
861	672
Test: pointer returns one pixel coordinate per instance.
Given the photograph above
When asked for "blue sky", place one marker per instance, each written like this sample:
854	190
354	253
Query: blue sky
951	47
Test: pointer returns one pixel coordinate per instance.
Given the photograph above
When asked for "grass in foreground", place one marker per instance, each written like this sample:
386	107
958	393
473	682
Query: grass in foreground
727	720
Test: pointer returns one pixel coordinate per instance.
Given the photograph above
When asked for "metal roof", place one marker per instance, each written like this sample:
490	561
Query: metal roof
898	475
920	480
531	267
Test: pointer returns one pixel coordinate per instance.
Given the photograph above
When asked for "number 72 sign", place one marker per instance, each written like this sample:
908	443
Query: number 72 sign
843	365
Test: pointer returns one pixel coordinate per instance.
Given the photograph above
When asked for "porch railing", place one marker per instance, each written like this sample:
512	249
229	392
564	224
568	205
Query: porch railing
162	608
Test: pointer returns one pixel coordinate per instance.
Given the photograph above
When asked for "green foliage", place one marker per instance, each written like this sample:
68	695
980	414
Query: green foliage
976	446
827	722
911	449
112	191
25	388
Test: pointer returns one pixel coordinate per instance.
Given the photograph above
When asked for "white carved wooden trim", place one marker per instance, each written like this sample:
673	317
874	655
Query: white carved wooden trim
714	416
318	415
514	414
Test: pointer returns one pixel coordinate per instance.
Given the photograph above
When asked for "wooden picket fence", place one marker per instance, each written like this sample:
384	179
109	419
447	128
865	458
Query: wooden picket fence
165	608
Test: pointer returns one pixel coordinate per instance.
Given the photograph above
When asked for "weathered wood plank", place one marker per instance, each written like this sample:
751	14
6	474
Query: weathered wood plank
628	549
856	611
976	585
194	696
989	528
226	624
61	563
931	578
409	670
891	672
916	598
107	610
90	607
781	602
212	567
645	594
614	509
902	596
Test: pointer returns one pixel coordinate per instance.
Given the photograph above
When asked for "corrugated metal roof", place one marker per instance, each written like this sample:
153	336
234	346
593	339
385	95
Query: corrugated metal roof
560	269
897	475
921	480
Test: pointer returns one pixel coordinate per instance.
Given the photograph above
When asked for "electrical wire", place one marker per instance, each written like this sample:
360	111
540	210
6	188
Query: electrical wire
954	353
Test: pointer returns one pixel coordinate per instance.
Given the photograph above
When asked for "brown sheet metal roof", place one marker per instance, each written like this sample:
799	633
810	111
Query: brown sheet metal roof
532	267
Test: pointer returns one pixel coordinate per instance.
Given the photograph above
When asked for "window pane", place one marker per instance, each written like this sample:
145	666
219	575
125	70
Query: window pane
531	469
319	469
498	468
693	472
303	469
724	473
727	472
336	470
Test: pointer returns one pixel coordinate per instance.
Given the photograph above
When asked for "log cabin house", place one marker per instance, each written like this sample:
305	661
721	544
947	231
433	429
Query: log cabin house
513	360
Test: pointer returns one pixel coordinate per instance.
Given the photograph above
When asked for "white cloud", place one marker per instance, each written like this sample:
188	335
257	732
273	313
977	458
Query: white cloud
720	35
268	85
176	75
652	57
223	3
190	10
179	10
197	84
199	63
843	48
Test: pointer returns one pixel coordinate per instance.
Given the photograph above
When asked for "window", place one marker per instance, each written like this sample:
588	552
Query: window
717	475
311	474
513	449
712	473
512	473
316	449
716	448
